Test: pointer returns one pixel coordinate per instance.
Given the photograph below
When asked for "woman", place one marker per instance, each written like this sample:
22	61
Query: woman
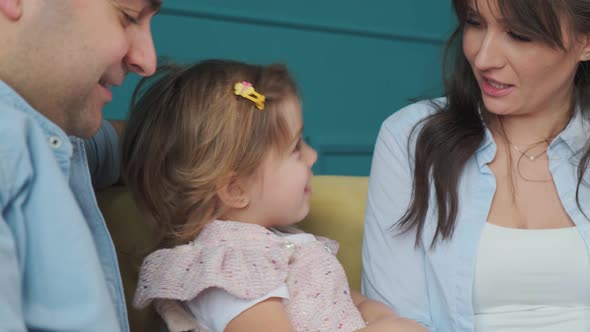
478	206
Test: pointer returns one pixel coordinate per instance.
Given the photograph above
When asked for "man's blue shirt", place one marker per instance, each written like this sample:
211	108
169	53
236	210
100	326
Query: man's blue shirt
58	266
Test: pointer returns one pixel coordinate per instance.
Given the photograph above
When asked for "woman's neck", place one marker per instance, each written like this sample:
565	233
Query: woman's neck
531	128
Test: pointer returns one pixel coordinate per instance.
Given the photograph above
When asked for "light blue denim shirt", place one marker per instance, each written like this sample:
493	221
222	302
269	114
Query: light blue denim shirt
58	267
435	287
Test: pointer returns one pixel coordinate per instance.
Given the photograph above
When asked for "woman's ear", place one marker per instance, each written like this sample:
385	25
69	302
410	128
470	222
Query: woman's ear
585	51
232	192
12	9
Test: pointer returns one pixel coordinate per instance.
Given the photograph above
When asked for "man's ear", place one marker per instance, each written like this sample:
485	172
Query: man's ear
232	192
12	9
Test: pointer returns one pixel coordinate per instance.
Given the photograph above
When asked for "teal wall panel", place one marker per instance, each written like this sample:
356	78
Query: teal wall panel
355	62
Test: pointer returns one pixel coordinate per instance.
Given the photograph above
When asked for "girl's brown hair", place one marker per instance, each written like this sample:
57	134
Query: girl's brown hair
188	130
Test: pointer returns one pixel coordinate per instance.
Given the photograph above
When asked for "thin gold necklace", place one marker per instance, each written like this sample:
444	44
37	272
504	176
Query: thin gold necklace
524	154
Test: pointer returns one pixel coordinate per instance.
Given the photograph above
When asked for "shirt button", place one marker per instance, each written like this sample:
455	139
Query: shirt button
55	142
289	245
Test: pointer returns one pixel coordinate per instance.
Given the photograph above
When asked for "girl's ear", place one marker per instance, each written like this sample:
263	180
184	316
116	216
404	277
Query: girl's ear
232	191
12	9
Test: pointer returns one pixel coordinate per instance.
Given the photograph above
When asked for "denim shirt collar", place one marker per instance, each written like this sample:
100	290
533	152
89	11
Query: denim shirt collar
56	138
487	149
575	133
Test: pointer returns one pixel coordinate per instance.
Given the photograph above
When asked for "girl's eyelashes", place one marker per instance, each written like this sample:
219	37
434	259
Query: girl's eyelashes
298	145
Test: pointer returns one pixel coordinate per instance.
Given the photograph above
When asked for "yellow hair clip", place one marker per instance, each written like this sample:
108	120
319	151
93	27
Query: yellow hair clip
246	90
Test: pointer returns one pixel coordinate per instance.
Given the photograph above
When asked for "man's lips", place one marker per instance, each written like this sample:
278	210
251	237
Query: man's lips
105	87
104	84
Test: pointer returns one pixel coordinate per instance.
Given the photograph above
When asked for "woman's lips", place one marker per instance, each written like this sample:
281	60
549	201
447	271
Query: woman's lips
494	88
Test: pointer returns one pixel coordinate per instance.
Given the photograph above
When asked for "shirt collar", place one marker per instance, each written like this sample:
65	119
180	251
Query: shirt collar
487	149
10	97
575	133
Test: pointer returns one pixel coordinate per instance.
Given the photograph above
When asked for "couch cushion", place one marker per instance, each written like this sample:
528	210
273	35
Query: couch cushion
337	211
132	239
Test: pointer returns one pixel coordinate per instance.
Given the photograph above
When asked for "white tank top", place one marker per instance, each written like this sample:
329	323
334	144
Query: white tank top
531	280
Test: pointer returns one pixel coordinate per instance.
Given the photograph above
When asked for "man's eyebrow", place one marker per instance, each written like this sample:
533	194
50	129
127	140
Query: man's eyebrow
151	7
155	5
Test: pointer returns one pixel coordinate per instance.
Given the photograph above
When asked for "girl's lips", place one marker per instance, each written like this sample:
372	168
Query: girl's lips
495	89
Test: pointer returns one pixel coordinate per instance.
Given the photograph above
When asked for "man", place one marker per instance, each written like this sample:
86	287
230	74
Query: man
58	62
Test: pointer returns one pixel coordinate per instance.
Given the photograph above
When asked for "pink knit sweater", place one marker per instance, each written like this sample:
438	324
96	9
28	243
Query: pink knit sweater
249	261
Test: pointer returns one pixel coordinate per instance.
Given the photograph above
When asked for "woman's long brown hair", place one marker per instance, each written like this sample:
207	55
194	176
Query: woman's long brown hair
449	137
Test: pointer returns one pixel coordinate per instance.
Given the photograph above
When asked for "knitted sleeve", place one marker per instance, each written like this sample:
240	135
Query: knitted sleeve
248	262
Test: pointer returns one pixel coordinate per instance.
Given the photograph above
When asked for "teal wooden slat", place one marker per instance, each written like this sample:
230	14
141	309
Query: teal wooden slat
355	63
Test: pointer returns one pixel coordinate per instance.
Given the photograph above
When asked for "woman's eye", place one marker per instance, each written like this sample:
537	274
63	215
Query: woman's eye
518	37
472	22
472	18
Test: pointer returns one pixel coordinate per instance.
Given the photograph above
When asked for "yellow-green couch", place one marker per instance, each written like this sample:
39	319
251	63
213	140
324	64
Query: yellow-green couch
337	209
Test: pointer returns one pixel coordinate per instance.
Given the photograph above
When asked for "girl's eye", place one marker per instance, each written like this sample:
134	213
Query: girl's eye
518	37
298	145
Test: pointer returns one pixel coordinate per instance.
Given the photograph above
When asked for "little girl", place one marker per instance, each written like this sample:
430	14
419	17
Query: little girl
214	155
